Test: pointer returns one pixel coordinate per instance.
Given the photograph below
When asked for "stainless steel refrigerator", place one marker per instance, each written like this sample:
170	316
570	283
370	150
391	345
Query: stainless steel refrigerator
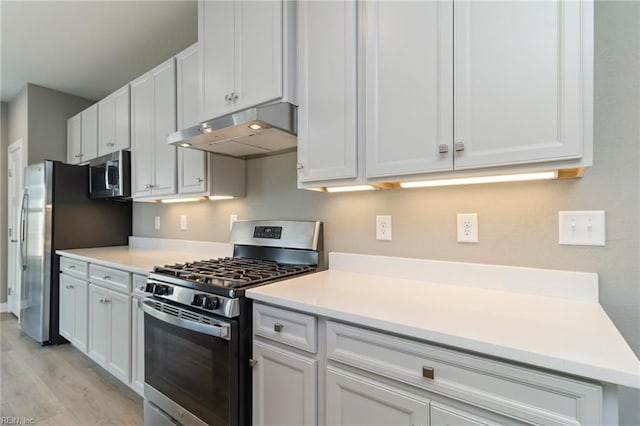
57	213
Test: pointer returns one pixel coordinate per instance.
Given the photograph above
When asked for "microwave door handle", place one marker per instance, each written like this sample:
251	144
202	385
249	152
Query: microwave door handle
107	185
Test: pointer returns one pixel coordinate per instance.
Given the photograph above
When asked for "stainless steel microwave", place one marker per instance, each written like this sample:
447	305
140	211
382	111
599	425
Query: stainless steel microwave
110	176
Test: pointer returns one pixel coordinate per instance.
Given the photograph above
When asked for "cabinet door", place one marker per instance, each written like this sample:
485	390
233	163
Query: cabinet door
90	133
355	400
106	125
74	139
284	387
98	324
122	116
192	163
67	307
215	35
522	83
81	315
137	347
408	87
164	107
141	136
327	135
119	360
442	415
258	52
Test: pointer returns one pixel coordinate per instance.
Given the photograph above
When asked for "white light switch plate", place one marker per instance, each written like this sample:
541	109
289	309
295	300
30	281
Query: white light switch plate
156	223
582	228
183	222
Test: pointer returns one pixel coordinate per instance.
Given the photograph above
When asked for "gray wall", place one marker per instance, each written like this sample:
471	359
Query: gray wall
48	111
39	116
4	143
517	222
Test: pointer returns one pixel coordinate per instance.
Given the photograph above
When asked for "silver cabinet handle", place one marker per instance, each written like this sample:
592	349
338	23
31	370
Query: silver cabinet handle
227	97
111	144
107	300
427	372
299	166
277	327
199	180
443	148
78	155
253	363
234	96
72	266
459	146
101	300
106	277
72	287
14	241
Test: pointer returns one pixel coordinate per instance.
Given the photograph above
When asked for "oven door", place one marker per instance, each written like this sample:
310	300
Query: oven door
191	364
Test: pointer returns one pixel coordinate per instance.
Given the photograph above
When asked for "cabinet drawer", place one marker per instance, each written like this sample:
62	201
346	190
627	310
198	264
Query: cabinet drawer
291	328
138	282
522	393
115	279
73	267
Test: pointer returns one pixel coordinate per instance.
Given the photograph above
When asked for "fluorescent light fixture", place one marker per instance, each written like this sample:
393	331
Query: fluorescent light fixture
255	126
221	197
185	145
482	179
180	200
351	188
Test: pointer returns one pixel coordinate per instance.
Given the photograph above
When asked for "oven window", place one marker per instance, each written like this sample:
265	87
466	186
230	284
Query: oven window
195	370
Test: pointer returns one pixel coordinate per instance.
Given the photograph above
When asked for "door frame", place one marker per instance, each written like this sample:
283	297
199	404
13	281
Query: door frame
13	226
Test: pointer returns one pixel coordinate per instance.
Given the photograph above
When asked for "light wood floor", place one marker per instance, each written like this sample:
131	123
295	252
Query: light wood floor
59	385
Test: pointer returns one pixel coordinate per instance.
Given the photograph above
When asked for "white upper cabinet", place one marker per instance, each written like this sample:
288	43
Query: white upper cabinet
523	81
244	54
74	139
192	163
327	115
408	82
442	89
153	117
114	122
89	133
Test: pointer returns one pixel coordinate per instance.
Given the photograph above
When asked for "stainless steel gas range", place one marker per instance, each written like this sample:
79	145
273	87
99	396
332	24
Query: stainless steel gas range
197	323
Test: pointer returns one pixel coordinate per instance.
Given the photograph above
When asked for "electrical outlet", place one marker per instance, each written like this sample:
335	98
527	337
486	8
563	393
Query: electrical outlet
467	227
383	228
156	223
183	222
582	228
232	218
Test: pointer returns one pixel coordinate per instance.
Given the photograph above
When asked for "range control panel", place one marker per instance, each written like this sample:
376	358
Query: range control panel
271	232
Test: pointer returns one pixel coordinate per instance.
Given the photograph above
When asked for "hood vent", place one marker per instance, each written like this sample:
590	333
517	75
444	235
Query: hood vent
258	131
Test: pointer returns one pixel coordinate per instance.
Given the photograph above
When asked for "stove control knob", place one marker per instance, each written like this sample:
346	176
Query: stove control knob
161	290
211	303
197	299
149	287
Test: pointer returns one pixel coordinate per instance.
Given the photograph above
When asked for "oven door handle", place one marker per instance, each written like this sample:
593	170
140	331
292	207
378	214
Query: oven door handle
218	329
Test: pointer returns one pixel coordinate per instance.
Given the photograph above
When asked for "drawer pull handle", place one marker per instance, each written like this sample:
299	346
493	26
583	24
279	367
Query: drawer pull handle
427	372
253	363
106	277
277	327
72	266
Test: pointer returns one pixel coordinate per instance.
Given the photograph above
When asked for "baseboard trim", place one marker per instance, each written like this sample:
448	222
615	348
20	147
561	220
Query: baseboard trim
4	307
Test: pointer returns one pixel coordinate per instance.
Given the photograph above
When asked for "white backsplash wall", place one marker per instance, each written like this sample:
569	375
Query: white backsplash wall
518	222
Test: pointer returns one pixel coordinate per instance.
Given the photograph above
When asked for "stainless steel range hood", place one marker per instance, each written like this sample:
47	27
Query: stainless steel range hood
262	130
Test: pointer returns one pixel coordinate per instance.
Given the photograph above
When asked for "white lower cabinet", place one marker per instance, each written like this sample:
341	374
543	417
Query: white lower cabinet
137	337
295	378
370	377
110	330
355	400
74	311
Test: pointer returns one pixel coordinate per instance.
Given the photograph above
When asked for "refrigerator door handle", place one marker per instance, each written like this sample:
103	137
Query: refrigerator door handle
23	229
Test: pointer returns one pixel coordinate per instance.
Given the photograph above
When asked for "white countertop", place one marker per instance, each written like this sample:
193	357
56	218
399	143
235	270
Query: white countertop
144	253
570	335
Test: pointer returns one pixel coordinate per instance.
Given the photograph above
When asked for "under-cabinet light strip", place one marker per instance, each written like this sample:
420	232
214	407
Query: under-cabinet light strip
180	200
351	188
482	179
